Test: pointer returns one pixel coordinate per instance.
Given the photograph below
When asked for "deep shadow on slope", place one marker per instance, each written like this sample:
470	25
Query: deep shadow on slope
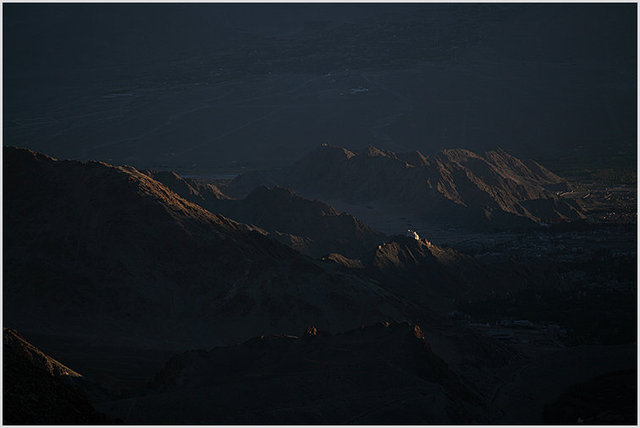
109	253
34	394
383	374
608	399
428	274
311	227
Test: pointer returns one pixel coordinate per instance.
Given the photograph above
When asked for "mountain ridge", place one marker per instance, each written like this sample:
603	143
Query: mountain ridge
318	377
453	186
93	245
37	389
309	226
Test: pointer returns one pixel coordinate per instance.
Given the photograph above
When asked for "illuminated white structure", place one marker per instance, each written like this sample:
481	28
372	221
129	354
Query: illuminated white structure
413	234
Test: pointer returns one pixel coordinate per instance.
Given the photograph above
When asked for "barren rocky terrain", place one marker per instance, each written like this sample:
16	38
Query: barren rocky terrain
319	213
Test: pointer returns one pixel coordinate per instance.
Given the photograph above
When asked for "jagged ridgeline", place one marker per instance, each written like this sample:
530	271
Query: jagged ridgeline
311	227
101	260
410	266
113	254
455	186
356	377
100	248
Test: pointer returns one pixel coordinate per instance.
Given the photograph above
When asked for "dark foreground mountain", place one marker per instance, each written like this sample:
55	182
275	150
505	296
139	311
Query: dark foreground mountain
311	227
108	254
608	399
455	187
35	391
383	374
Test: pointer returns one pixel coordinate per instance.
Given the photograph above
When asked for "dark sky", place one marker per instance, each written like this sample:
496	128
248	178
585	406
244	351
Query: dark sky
211	85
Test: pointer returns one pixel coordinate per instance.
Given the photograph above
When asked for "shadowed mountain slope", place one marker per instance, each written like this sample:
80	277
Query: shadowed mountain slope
34	392
452	187
109	253
38	358
424	270
385	373
416	269
283	211
436	276
608	399
311	227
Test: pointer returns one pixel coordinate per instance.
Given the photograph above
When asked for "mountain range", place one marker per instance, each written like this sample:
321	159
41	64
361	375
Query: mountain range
384	373
453	187
409	266
280	308
109	253
309	226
